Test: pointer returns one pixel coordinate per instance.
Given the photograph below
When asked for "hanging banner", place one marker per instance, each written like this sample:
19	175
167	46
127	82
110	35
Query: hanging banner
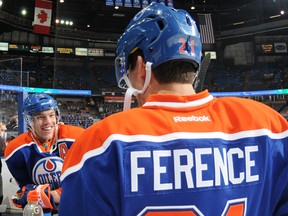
109	3
206	28
119	3
128	3
136	4
42	16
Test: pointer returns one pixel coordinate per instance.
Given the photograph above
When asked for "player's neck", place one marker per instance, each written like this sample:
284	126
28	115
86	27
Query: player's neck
174	88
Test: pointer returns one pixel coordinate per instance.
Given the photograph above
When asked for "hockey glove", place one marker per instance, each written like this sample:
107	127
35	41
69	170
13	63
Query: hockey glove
44	197
20	198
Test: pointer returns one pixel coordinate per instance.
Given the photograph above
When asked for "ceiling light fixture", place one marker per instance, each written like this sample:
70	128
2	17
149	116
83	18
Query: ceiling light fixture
23	12
192	6
64	22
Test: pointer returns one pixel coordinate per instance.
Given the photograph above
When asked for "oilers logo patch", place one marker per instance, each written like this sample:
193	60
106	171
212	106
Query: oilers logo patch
48	170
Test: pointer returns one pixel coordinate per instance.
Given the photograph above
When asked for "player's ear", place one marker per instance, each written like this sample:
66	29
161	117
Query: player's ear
140	66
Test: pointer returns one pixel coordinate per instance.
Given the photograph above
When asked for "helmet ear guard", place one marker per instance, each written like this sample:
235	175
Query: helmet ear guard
28	119
121	61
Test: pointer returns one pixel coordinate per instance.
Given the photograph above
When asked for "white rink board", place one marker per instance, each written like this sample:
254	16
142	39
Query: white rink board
9	188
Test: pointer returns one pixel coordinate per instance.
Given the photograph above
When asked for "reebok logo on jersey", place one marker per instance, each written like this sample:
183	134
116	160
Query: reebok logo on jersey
191	118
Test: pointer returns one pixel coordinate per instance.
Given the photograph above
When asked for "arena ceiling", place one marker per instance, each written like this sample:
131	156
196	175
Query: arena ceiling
226	14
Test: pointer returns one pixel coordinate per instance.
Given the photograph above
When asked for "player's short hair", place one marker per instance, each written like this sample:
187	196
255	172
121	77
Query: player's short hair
172	71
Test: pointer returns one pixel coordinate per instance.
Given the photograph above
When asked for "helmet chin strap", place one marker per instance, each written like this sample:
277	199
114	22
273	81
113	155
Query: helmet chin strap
132	91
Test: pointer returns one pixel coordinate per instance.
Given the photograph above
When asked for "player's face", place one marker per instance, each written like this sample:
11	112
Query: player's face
44	124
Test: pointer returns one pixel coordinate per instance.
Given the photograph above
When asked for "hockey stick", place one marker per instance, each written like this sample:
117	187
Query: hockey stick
198	85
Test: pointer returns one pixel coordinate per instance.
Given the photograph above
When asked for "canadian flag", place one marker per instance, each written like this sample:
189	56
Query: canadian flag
42	16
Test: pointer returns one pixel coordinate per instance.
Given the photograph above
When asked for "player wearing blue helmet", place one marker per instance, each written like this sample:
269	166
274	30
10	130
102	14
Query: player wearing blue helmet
162	34
178	153
36	104
35	158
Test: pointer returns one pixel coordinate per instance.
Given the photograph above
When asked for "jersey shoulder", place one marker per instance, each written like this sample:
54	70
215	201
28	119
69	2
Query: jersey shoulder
14	144
69	131
256	113
245	105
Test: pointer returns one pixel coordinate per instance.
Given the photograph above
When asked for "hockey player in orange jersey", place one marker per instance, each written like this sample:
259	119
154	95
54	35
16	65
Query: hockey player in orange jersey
35	158
178	153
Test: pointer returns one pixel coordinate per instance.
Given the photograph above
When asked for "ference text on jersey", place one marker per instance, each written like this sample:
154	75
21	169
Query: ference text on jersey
193	168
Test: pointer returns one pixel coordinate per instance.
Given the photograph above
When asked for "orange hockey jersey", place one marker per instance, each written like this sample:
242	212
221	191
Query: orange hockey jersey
181	155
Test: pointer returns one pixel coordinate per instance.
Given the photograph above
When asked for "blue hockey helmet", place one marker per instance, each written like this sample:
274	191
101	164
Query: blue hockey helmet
36	103
163	34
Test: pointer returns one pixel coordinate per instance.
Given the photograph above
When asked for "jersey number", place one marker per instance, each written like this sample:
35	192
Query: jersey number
235	207
189	46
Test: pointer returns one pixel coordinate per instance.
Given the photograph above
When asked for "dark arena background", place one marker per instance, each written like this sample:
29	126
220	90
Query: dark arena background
73	58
